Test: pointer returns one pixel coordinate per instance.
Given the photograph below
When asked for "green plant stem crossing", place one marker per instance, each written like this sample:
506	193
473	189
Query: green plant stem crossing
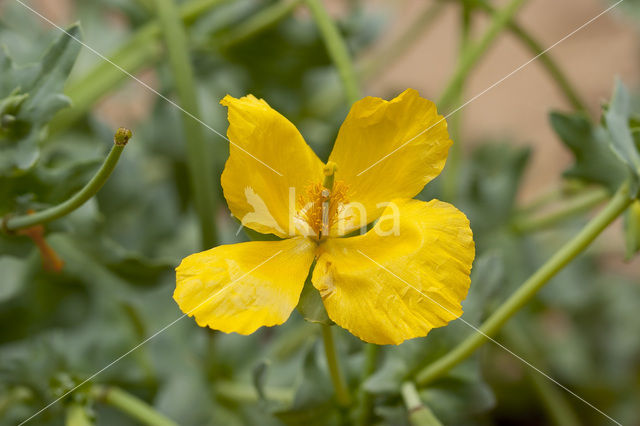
559	260
474	52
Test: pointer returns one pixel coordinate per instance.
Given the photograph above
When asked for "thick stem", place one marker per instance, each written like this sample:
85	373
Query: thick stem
476	50
517	300
131	405
78	415
577	205
14	223
199	157
339	383
418	413
337	49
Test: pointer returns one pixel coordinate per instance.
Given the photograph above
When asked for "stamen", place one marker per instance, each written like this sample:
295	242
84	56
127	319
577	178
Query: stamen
322	204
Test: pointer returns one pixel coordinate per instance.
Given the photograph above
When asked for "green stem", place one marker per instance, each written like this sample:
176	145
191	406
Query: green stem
141	50
419	414
337	49
400	46
577	205
246	392
120	140
259	22
546	60
620	201
553	400
451	173
78	415
131	405
475	51
199	157
542	200
372	353
339	383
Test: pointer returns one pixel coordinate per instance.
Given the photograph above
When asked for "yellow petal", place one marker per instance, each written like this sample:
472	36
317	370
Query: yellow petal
385	286
267	157
240	287
387	150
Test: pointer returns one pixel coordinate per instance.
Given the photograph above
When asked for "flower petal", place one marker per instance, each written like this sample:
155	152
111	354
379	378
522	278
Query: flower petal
385	286
240	287
387	150
267	157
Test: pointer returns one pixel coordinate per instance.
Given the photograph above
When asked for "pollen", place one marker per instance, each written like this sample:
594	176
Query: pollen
321	208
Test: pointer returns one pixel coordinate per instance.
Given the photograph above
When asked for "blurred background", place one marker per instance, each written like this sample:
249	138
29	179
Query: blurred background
119	249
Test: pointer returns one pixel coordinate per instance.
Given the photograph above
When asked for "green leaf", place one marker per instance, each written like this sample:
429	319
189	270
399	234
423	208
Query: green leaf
388	378
594	160
310	304
617	118
260	377
313	403
29	97
490	185
487	276
459	396
13	272
632	229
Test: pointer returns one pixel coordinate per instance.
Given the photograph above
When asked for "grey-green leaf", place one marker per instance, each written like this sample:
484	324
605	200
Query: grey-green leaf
594	160
30	96
617	118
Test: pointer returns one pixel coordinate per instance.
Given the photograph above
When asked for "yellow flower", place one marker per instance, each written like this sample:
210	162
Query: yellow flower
405	276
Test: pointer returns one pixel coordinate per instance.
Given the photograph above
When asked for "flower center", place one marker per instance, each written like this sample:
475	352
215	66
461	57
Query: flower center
321	205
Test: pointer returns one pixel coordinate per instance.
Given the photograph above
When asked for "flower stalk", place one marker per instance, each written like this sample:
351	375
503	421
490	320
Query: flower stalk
339	383
372	353
14	223
512	305
419	414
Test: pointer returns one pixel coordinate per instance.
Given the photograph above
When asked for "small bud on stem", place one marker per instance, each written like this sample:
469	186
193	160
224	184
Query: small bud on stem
122	136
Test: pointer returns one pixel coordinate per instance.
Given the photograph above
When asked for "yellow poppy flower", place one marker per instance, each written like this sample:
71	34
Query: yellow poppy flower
405	276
